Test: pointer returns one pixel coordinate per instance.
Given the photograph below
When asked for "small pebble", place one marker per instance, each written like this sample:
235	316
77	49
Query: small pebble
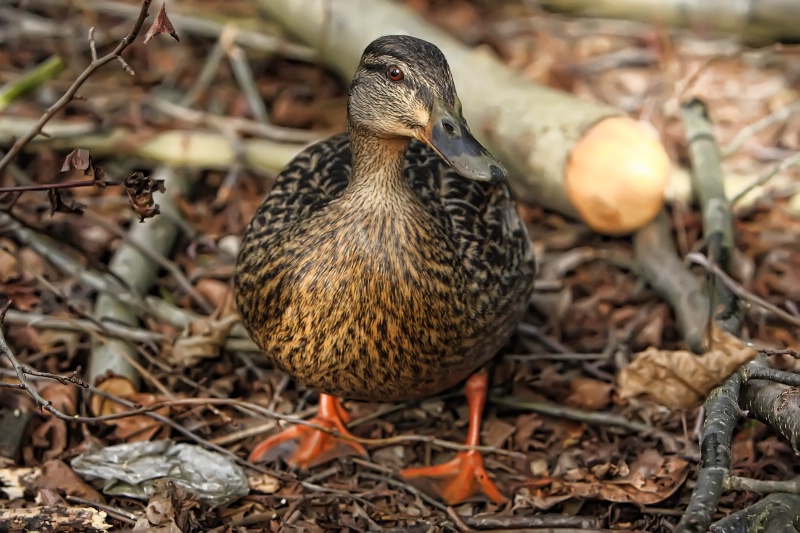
229	244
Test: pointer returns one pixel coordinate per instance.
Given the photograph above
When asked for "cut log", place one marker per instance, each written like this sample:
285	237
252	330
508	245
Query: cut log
574	156
754	22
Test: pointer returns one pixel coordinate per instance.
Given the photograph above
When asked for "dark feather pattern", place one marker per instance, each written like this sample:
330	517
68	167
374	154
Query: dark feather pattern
387	287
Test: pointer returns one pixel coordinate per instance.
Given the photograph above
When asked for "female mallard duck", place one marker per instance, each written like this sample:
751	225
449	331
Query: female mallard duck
384	269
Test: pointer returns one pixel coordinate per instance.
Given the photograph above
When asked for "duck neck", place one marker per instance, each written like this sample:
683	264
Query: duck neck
377	163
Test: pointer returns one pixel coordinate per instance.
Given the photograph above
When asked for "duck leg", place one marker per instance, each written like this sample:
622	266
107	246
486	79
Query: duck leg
464	477
304	446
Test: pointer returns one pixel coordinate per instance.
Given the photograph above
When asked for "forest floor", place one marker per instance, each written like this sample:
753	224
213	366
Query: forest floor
612	462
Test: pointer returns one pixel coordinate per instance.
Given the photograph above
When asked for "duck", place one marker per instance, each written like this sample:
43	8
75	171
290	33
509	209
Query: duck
388	263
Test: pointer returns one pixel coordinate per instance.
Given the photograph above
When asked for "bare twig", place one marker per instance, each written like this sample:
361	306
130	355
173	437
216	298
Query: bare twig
784	165
243	74
590	417
154	256
111	329
762	486
22	371
235	124
537	522
73	89
55	186
740	291
772	374
748	131
208	27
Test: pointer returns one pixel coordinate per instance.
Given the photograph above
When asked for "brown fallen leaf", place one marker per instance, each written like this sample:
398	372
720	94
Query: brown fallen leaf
140	190
132	428
79	159
202	339
588	393
681	379
649	480
57	475
51	435
160	25
640	487
62	202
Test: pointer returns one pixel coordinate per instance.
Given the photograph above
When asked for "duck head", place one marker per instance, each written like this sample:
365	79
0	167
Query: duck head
403	88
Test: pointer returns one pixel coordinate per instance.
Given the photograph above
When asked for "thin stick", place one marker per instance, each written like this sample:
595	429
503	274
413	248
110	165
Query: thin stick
748	131
740	291
590	417
772	374
155	257
762	486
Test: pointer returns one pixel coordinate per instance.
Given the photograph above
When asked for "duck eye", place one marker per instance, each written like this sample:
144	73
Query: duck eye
394	73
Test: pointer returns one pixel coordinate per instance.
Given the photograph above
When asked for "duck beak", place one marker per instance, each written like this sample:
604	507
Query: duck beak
447	133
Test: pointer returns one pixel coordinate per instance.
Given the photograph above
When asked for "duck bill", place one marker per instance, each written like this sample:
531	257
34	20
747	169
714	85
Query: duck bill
448	135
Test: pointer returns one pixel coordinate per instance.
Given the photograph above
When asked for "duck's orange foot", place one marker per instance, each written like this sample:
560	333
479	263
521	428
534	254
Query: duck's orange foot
304	446
456	481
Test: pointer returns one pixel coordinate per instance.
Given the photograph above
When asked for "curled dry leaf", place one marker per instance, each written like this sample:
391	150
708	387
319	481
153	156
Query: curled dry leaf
202	339
649	480
130	428
140	189
681	379
588	393
263	483
61	202
78	159
162	24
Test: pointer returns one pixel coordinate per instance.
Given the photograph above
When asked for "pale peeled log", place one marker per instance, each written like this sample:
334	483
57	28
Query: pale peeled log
616	175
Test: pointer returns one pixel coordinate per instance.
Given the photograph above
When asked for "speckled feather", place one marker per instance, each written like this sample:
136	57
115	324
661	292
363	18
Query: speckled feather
383	289
385	324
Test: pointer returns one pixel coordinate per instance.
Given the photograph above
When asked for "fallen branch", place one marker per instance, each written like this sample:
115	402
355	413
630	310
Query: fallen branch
709	187
762	486
658	262
775	513
721	408
721	405
767	399
532	522
756	22
190	149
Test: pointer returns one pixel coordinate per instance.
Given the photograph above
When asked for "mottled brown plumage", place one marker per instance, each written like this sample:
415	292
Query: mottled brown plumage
373	270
